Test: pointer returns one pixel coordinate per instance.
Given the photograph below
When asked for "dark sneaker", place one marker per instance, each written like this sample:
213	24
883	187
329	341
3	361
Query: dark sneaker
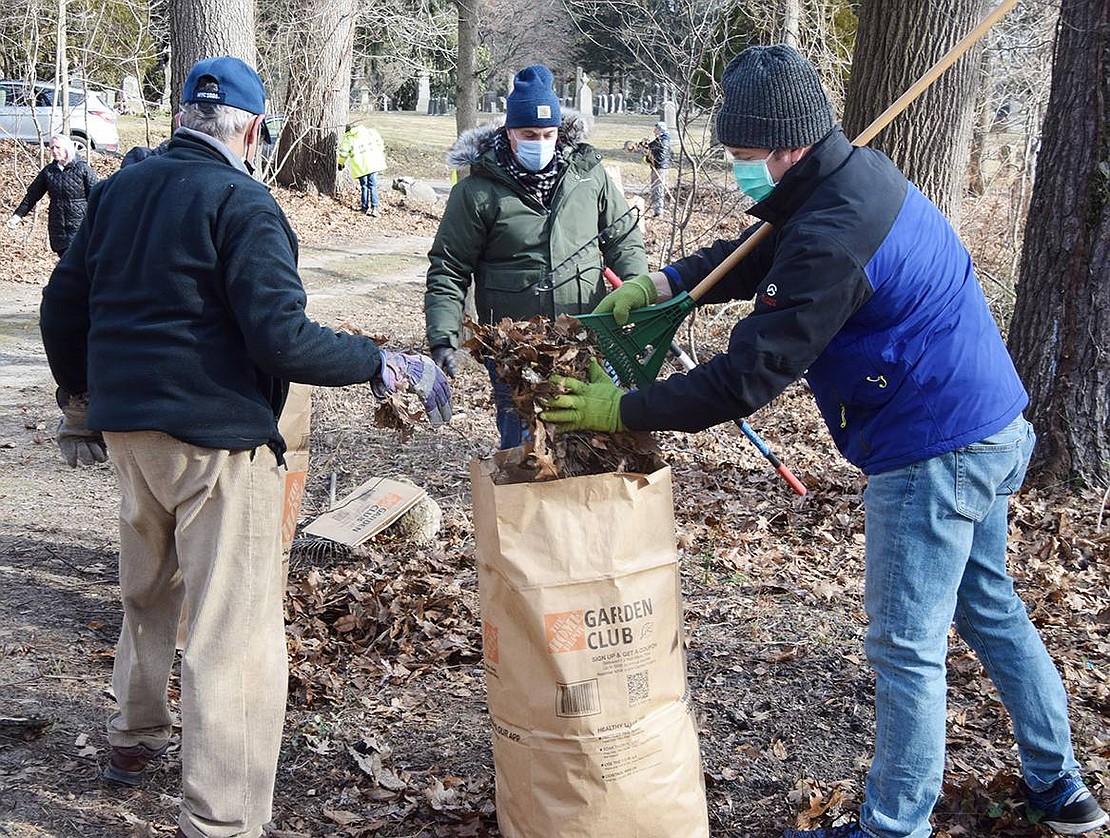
1067	807
848	830
126	766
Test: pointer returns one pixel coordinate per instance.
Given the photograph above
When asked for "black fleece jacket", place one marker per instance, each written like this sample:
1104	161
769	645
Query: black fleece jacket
178	306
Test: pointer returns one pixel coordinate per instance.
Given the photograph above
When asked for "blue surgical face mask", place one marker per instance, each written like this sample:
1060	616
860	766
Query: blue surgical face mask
534	155
753	177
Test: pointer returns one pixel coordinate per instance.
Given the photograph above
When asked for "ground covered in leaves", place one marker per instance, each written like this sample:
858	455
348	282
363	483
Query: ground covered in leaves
387	733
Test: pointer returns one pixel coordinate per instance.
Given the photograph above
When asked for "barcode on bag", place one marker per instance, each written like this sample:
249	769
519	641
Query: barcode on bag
638	691
579	699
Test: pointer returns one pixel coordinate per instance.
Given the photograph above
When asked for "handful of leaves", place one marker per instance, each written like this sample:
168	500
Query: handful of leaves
525	354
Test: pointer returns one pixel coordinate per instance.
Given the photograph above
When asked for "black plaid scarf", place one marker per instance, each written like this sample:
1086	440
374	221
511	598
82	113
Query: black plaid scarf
540	184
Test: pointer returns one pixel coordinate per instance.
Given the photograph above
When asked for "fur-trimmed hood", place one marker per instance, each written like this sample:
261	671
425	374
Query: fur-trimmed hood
473	143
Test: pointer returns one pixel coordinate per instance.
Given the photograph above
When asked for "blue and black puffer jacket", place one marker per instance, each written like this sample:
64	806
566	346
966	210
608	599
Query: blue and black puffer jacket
865	289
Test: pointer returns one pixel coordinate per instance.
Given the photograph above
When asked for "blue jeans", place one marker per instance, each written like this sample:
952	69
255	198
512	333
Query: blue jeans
369	184
936	552
512	430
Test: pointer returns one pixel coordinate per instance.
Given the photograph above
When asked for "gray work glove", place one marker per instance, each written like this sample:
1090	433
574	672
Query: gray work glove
77	443
444	356
421	376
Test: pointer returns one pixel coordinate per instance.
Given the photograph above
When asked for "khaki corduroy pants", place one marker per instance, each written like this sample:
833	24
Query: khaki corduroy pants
207	523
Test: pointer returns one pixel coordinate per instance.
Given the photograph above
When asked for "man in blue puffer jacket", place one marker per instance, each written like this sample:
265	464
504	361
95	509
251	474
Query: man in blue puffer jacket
864	288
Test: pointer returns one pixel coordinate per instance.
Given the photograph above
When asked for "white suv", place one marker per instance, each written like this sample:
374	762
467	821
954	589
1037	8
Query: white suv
28	113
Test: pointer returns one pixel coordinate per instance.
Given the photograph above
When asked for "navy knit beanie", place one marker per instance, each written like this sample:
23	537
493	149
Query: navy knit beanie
532	103
773	99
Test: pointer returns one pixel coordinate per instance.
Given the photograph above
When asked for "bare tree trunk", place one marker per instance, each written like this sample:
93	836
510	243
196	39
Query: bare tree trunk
61	69
791	17
896	42
466	86
318	99
206	28
1060	332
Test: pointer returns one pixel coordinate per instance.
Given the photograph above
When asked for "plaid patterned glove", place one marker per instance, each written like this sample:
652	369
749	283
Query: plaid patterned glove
420	375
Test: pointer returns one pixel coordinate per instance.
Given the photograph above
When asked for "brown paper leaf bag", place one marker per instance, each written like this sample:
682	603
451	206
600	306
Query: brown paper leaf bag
593	733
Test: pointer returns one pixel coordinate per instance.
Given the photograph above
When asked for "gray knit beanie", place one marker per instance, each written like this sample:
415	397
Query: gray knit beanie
773	99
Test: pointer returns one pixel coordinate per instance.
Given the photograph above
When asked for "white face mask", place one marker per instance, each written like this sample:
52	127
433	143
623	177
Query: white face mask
535	155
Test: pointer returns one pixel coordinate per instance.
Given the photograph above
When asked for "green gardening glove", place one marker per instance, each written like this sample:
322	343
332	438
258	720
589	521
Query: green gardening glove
633	293
586	406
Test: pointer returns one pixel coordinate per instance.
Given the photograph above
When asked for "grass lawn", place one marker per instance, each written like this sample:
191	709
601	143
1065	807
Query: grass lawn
416	143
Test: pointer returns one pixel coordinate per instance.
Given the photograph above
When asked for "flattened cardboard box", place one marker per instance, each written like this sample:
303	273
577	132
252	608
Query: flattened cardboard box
366	511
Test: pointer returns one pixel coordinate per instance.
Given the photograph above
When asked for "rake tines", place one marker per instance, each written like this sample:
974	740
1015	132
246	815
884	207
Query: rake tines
637	350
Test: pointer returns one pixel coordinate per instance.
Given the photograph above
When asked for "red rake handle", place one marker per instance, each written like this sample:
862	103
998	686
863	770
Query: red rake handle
688	364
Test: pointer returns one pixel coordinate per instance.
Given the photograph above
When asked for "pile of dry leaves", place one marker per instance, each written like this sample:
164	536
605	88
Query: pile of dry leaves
525	355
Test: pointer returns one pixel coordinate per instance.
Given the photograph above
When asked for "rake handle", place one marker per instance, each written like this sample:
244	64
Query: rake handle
868	134
687	363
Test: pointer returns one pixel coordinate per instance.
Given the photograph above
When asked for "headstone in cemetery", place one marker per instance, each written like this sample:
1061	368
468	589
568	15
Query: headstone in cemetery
423	92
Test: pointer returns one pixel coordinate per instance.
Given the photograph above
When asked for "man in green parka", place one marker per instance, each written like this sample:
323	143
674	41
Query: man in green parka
532	227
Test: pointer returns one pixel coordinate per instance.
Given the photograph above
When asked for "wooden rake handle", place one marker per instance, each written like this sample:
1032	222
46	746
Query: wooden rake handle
868	134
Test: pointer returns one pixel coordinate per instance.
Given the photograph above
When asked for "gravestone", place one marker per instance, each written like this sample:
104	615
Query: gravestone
670	116
423	92
132	99
584	101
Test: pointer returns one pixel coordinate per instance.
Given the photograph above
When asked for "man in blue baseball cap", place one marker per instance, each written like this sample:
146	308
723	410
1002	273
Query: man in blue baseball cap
173	327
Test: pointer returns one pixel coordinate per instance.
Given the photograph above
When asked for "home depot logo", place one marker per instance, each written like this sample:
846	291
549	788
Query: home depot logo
490	645
600	628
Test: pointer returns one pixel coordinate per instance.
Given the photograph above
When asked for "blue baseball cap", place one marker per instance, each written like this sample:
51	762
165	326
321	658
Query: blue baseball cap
237	85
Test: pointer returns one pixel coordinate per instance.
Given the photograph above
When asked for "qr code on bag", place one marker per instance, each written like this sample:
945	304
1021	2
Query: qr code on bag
638	691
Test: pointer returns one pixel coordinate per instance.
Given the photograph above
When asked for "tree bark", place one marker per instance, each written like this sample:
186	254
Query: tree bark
466	85
791	17
1060	331
318	99
204	29
896	42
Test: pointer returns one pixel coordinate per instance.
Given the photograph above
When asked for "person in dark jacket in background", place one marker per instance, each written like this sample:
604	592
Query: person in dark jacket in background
531	227
864	288
658	157
173	326
68	181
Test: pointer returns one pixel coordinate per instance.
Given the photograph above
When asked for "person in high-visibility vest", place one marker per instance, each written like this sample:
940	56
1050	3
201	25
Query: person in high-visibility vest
364	149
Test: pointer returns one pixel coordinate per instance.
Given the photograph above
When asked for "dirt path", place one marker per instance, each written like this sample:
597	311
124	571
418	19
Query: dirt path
59	606
336	277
